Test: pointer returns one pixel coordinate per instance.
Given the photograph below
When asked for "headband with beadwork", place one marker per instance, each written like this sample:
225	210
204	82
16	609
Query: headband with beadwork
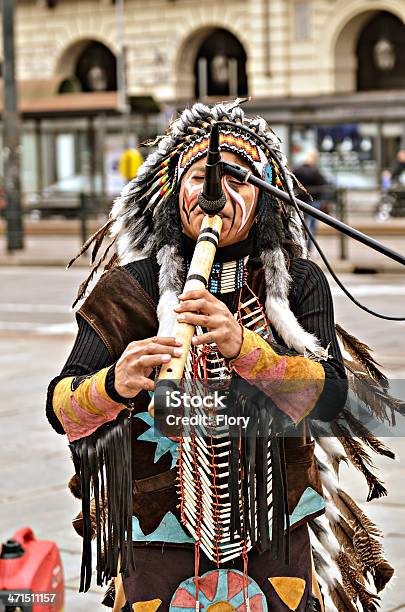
234	142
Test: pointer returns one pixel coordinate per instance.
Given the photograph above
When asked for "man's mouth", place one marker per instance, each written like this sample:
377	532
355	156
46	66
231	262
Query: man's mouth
220	214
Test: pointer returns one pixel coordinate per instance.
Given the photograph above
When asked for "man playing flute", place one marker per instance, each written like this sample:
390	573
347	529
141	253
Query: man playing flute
163	519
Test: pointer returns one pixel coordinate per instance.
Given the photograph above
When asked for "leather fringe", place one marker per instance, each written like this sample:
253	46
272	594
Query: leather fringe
250	452
103	466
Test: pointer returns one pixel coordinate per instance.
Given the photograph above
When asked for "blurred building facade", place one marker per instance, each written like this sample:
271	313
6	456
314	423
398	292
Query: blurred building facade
328	74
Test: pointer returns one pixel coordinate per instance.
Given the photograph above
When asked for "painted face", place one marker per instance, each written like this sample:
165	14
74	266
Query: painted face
238	213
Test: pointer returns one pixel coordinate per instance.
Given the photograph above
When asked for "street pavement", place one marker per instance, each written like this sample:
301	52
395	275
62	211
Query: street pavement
36	332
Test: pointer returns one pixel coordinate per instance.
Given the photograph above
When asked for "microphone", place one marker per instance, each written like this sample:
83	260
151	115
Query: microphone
212	199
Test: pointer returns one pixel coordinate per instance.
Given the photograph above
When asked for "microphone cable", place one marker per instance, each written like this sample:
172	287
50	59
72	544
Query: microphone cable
290	192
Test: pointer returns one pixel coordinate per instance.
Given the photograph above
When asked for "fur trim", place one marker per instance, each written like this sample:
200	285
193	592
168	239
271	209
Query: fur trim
171	284
277	277
297	233
287	326
278	310
171	273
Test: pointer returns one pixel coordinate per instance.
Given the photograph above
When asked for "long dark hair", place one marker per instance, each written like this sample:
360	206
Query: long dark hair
271	228
167	222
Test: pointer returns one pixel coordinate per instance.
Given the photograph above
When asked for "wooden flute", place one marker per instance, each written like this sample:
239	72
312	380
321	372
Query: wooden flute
200	269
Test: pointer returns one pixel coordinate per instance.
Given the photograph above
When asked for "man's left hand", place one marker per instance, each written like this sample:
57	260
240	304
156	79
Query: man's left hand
200	307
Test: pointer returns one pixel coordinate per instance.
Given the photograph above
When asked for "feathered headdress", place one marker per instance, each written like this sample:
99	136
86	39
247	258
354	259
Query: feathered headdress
136	228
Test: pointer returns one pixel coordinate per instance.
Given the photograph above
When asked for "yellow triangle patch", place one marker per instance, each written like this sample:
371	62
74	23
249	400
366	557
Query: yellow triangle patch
290	590
147	606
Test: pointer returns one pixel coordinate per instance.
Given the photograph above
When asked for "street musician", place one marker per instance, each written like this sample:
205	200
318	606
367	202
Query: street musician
178	538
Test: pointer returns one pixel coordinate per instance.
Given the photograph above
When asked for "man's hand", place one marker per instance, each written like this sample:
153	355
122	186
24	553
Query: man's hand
137	362
200	307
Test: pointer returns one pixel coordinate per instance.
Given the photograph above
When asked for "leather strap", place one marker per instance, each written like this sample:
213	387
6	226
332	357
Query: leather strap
155	483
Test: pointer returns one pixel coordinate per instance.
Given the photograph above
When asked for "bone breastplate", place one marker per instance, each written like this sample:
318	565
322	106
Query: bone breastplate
218	495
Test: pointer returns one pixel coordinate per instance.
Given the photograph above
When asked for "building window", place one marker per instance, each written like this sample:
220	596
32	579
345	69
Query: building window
381	53
96	68
347	152
220	66
302	21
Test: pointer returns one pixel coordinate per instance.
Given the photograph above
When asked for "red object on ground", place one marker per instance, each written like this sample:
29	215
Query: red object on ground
31	573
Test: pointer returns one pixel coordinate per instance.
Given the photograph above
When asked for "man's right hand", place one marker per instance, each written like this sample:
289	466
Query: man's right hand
137	362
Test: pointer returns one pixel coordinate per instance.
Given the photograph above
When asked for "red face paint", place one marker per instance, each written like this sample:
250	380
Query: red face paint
245	204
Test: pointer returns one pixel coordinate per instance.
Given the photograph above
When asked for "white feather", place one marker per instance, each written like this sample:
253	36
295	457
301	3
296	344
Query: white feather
330	448
166	314
287	326
345	353
328	603
326	537
328	570
331	512
329	481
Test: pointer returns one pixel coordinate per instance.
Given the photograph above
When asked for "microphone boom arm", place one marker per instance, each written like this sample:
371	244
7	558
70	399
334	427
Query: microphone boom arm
245	176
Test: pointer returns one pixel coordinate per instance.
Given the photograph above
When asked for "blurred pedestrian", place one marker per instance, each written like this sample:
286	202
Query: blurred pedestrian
393	181
397	168
315	183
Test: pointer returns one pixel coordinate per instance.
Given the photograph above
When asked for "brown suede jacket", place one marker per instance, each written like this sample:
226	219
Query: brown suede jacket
120	311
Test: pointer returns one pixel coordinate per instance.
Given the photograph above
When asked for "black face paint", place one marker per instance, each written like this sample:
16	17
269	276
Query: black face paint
190	197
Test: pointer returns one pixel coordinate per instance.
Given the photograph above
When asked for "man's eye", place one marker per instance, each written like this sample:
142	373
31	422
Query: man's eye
199	177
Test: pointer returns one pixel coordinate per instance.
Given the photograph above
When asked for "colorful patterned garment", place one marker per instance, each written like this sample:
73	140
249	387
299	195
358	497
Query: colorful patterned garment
205	363
268	585
293	383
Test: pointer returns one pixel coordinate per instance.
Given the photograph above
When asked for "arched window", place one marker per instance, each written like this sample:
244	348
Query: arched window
96	68
381	53
220	66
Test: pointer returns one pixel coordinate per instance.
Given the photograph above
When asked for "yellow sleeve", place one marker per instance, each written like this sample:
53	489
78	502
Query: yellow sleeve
294	383
82	408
